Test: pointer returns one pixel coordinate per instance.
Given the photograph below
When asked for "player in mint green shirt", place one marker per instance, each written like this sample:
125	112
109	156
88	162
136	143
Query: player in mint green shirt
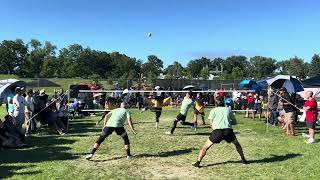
221	120
116	119
187	103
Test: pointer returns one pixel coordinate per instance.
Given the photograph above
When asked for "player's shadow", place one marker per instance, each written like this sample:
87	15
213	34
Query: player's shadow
168	153
203	134
272	159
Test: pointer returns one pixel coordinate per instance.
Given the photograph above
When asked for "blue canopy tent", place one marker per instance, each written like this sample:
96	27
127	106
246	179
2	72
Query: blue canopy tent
7	88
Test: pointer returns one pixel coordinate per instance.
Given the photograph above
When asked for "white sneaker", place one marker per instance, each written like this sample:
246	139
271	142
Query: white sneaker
168	133
157	125
305	135
129	157
88	156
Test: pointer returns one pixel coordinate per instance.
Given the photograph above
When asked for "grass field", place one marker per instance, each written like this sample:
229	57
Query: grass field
272	155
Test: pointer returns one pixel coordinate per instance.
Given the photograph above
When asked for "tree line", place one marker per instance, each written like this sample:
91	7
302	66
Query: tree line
36	59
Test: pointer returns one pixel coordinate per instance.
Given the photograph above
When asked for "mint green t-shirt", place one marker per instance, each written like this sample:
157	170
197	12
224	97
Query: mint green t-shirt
118	117
186	104
221	118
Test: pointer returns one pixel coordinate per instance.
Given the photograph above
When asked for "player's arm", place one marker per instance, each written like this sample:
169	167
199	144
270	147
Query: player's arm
233	118
131	124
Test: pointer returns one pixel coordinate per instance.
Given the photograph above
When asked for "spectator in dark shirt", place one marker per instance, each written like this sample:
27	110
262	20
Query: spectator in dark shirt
289	111
272	106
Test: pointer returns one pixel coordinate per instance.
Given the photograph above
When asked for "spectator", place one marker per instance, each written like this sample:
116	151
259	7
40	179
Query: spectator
272	106
289	111
12	131
29	109
10	106
6	139
311	109
19	107
257	107
250	104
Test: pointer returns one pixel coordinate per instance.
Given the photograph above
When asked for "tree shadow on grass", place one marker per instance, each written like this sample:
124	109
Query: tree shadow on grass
83	128
9	171
40	149
274	158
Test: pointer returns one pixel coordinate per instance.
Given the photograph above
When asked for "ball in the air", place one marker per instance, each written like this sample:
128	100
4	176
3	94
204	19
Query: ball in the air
149	34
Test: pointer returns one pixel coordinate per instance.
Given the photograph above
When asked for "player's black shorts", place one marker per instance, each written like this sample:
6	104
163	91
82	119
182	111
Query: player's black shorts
181	117
311	125
219	135
157	111
196	112
109	130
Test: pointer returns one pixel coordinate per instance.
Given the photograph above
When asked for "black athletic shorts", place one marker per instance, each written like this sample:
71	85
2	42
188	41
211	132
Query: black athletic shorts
311	125
219	135
157	111
181	117
196	112
109	130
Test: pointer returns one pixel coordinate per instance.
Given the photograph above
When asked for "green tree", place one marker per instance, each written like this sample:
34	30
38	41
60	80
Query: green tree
237	61
194	67
315	65
294	67
153	66
12	56
237	73
204	73
176	70
262	66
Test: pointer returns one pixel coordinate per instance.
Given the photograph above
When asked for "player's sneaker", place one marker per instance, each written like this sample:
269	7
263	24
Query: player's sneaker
168	133
157	125
305	135
129	157
197	164
89	156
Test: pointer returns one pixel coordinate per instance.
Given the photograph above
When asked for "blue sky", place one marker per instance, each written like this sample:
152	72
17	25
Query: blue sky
181	29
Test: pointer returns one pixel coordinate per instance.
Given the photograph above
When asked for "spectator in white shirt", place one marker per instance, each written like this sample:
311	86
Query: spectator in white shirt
19	107
29	109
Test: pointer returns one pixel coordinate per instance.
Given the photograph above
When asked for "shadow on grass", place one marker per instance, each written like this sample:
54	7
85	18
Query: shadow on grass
168	153
274	158
109	159
161	154
9	171
203	134
39	149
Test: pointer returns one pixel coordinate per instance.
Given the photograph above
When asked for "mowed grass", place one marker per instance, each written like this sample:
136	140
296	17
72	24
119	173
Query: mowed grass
272	155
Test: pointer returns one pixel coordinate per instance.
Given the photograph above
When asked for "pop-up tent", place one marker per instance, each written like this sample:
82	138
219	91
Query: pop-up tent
313	82
7	88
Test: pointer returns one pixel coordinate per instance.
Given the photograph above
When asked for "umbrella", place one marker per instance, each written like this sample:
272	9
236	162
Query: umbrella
290	83
263	83
188	87
248	84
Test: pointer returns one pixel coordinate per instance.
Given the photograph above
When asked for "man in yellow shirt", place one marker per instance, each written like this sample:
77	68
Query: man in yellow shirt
198	110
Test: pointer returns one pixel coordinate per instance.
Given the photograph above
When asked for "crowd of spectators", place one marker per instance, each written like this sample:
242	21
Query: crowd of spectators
34	109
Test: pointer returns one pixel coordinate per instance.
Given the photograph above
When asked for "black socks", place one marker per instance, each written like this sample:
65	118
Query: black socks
128	152
93	150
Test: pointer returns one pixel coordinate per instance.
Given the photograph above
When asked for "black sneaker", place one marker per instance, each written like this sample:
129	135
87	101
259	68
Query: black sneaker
196	165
